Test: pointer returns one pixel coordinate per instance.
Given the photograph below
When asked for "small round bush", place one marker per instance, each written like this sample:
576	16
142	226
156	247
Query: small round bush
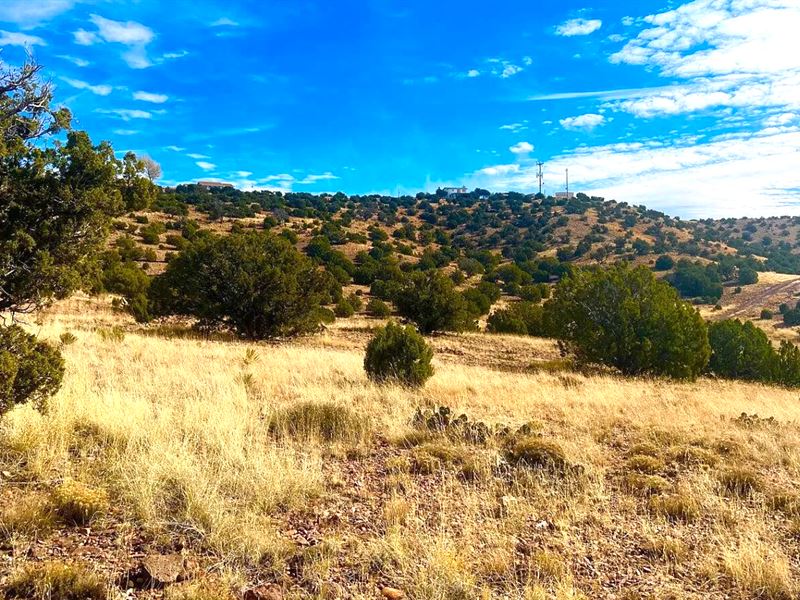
398	354
766	314
344	309
378	308
29	369
664	263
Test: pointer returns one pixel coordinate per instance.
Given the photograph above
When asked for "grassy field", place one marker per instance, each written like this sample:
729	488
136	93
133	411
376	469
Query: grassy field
282	464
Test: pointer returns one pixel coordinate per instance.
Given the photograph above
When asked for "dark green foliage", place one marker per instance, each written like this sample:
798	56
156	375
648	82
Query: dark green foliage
344	309
740	351
786	370
398	354
521	318
256	283
431	301
625	318
664	263
30	370
747	276
766	314
378	308
791	317
694	280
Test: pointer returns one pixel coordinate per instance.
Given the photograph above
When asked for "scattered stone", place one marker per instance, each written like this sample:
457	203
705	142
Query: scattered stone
157	571
392	593
264	592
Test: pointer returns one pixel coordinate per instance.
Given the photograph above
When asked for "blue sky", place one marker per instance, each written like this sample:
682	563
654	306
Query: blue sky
688	107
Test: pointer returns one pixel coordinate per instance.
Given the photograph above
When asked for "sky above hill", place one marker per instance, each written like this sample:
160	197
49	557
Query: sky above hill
692	108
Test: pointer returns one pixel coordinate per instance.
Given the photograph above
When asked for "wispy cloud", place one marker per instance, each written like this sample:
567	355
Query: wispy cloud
99	90
29	13
131	34
78	62
206	166
126	114
575	27
720	51
585	122
515	127
224	22
196	156
15	38
150	97
521	148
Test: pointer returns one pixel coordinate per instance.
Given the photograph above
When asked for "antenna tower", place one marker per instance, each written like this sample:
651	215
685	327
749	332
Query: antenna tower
540	175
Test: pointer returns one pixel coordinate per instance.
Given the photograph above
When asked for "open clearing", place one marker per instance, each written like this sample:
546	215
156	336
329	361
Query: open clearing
282	464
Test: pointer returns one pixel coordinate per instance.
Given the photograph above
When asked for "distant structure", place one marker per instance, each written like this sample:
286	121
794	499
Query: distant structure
565	195
540	175
214	184
454	191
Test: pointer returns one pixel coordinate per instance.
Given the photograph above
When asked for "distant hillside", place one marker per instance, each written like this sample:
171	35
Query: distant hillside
517	226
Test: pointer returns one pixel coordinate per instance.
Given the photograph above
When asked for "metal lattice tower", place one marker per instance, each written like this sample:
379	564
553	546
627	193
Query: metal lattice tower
540	175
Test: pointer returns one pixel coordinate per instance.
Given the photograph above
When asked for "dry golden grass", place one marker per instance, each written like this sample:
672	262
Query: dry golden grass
233	448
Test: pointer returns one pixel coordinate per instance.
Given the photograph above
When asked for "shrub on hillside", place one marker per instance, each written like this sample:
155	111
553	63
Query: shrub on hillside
740	351
431	301
664	263
694	280
398	354
378	308
30	370
256	283
625	318
521	318
747	276
766	314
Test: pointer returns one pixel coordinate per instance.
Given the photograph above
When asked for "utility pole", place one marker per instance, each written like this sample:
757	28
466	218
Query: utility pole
540	175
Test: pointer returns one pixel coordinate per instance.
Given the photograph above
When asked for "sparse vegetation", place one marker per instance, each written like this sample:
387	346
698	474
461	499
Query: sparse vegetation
398	354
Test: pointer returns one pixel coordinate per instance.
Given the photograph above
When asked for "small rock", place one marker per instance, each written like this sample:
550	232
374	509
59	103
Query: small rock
392	593
264	592
157	571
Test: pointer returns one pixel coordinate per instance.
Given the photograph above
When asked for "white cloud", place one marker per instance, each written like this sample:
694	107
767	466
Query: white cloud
175	148
12	38
473	73
129	33
29	13
744	174
150	97
197	156
500	170
509	70
99	90
585	122
78	62
515	127
206	166
739	54
126	131
243	174
575	27
125	114
224	22
174	55
309	179
522	148
85	38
